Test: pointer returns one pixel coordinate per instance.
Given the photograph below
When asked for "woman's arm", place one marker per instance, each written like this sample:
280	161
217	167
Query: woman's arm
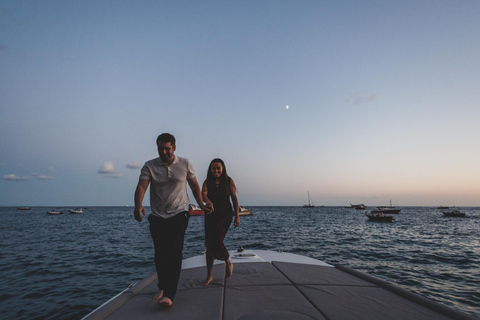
207	201
233	195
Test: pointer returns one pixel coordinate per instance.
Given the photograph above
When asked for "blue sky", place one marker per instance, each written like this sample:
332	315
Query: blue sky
383	98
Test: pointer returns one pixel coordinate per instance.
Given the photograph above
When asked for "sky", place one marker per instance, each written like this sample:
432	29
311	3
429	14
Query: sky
383	99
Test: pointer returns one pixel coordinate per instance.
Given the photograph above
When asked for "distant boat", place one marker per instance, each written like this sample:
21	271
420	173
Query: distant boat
195	210
379	217
244	211
360	206
23	208
310	202
54	212
78	210
454	213
390	209
442	207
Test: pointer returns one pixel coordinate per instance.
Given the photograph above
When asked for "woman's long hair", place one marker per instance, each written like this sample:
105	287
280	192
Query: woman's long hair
224	178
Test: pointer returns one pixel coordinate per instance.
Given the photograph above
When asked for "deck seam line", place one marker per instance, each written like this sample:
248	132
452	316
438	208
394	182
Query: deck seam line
293	284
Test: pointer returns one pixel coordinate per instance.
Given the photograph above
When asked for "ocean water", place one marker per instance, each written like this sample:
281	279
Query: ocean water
63	267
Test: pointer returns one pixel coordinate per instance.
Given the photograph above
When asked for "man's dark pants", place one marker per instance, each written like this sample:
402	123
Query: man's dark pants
168	235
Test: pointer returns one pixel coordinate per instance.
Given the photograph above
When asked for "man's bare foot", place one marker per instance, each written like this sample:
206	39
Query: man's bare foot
208	281
158	295
228	269
165	302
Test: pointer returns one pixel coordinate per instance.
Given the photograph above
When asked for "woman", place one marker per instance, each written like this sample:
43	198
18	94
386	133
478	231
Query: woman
217	191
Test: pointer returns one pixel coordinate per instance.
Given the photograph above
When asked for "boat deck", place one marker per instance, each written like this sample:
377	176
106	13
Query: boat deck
275	290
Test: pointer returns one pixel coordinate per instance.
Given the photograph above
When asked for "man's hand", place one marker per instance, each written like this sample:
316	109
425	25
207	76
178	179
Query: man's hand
138	212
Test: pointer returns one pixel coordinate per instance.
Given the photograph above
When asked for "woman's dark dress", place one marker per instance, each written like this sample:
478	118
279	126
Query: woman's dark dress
218	222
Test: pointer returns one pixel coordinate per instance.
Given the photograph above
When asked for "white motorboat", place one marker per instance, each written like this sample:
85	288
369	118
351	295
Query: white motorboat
78	210
360	206
54	212
274	285
242	211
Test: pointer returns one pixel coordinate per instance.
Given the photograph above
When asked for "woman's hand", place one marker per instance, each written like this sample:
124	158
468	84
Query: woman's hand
236	223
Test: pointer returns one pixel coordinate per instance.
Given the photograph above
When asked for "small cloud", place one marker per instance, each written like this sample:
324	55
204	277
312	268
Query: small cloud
106	168
134	165
362	98
44	177
50	169
115	175
13	177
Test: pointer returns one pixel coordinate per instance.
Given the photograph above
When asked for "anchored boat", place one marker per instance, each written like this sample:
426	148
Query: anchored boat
391	209
454	213
378	216
360	206
54	212
310	202
195	210
242	211
274	285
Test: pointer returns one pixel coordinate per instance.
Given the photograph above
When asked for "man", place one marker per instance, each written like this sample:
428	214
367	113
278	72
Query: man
167	176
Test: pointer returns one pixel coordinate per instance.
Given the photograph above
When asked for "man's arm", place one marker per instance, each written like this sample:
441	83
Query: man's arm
139	195
193	183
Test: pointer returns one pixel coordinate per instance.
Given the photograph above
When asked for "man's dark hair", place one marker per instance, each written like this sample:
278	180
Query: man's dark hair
166	137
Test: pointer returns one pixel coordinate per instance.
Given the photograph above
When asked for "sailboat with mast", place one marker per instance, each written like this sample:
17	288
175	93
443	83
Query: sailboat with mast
310	202
390	209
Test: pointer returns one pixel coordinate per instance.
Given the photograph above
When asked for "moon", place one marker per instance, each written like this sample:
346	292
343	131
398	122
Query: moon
286	107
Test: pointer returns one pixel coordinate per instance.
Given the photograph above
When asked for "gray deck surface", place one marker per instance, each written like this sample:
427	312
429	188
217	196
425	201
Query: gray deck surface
277	290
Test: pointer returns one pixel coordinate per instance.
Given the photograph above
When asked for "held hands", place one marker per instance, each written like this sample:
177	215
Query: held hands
137	213
208	207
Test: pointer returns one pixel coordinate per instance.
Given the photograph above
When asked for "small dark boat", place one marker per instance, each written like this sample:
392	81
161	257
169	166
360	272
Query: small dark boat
23	208
454	213
442	207
379	217
387	210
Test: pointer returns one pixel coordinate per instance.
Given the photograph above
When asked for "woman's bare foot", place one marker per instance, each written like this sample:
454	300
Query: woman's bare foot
208	281
158	295
228	269
165	302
